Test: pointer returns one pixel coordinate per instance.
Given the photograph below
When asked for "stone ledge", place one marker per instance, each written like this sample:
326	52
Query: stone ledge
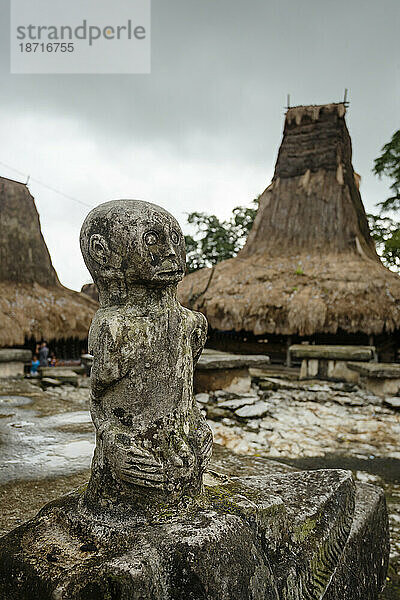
255	537
15	355
377	370
231	361
63	375
358	353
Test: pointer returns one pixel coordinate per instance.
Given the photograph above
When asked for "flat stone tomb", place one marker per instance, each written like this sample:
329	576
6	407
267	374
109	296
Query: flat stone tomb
231	372
330	362
60	374
12	362
382	379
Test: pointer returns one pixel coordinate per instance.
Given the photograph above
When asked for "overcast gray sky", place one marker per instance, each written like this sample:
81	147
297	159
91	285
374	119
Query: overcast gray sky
203	130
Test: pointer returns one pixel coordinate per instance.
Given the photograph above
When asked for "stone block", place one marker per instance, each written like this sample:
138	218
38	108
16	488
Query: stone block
222	371
212	359
312	367
15	355
12	361
376	370
11	369
237	381
339	371
329	369
258	537
49	382
381	387
66	376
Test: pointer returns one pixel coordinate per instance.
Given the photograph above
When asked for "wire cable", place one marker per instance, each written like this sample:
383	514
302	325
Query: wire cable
49	187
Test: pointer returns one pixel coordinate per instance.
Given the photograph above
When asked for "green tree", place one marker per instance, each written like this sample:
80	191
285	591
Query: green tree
388	163
386	230
217	240
386	233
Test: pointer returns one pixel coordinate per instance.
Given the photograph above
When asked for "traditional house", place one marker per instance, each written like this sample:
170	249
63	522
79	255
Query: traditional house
33	303
309	269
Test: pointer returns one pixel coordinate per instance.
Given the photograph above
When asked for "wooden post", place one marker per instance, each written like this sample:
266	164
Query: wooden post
288	357
371	343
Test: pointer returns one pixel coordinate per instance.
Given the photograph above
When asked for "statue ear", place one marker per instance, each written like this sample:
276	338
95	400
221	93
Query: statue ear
98	249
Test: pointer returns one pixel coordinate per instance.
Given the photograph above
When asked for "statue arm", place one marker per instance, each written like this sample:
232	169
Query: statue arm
108	368
198	336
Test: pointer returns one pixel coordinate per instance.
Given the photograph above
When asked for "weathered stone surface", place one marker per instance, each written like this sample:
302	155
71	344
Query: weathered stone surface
362	353
393	402
381	387
217	414
328	369
220	370
369	532
203	398
259	409
50	382
235	403
12	361
257	537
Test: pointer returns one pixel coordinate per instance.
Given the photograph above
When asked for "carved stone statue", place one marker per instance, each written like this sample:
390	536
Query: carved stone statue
151	438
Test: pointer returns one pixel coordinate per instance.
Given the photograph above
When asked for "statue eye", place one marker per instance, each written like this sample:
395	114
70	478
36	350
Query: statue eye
150	238
174	237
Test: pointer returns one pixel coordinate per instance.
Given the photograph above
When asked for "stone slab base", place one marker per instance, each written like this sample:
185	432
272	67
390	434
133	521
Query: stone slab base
237	381
335	370
11	369
287	536
381	387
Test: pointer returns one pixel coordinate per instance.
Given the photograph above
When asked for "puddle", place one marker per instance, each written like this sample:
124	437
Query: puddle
68	418
34	446
11	401
80	449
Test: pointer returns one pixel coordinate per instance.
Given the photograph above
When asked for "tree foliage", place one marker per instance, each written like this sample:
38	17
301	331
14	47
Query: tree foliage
386	233
388	163
386	230
217	240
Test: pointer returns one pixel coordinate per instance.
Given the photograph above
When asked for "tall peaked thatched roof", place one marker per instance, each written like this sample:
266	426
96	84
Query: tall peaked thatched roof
309	265
33	303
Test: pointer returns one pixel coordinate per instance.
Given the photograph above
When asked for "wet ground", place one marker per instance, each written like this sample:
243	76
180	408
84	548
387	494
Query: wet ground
47	440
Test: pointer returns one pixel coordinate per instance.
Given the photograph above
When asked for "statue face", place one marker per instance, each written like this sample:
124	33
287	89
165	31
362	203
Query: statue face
136	242
157	252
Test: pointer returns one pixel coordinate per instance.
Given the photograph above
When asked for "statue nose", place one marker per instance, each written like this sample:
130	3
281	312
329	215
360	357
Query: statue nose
170	251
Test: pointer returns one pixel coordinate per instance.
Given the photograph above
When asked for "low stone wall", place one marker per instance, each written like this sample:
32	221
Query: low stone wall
223	371
12	362
382	379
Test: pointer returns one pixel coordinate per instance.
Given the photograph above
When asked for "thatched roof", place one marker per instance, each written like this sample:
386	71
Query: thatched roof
309	265
33	303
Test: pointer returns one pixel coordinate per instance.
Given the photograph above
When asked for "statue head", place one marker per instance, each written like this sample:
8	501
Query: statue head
129	242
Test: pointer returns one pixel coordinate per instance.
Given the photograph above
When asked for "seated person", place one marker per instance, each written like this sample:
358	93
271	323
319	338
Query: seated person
35	365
